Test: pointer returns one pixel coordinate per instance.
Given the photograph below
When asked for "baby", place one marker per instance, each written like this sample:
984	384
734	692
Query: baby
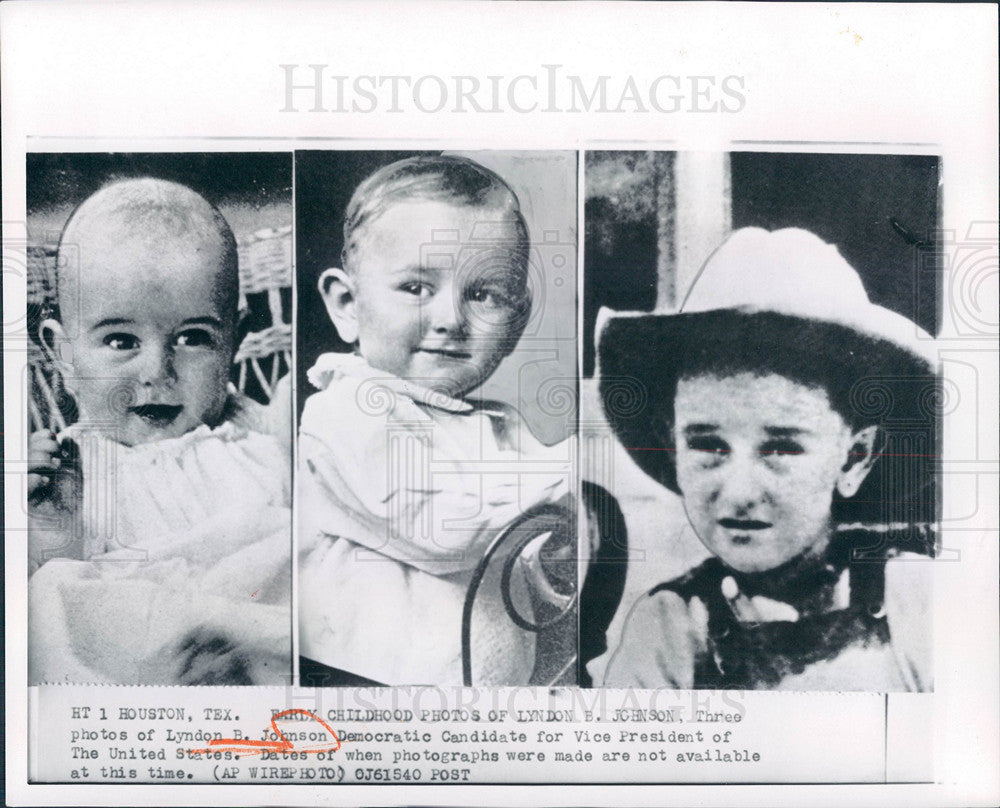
170	492
403	481
755	420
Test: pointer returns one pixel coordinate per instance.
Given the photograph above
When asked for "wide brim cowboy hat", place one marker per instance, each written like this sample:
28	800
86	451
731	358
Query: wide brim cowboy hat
763	295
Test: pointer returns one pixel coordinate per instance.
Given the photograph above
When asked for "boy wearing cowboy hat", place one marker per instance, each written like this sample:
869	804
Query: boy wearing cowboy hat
757	416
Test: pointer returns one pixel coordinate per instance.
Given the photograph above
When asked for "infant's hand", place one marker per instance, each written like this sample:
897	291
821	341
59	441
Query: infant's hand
43	460
208	659
55	528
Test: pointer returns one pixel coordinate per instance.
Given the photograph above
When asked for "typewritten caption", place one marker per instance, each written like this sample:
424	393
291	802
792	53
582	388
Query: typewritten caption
438	735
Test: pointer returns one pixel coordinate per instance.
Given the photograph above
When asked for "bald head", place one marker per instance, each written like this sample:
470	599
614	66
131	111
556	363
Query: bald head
120	227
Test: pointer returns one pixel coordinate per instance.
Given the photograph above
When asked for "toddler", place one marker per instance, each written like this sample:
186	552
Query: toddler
403	480
159	523
757	419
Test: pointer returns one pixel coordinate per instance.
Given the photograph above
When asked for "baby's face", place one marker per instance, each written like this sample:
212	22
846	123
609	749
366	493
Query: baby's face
151	342
758	458
441	314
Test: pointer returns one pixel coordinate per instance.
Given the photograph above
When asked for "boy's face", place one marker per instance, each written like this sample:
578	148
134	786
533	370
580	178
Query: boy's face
758	459
441	314
150	338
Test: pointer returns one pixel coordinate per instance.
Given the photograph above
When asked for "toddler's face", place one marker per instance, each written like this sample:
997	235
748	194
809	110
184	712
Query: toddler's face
758	459
441	314
151	342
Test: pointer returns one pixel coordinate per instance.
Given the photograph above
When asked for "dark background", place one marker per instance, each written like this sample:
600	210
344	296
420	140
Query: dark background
879	210
324	182
55	180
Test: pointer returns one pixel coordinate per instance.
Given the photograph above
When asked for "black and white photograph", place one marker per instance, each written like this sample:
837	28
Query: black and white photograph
437	369
159	500
766	372
499	403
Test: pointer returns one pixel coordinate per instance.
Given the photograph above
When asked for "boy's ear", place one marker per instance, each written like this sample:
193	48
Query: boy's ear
861	457
337	289
56	346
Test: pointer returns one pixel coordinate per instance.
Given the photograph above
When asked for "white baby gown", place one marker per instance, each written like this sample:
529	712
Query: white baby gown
187	570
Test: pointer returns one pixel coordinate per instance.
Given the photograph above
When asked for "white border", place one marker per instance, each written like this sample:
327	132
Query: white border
174	76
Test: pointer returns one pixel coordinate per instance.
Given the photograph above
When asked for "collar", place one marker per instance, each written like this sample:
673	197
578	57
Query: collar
332	366
805	582
808	582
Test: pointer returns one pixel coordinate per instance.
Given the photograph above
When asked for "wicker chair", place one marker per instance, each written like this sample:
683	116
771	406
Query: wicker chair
49	405
265	353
